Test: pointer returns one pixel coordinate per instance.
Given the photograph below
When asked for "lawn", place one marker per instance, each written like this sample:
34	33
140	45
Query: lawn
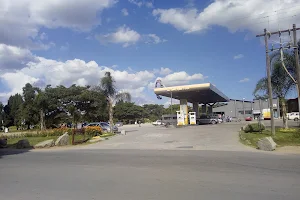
11	142
289	137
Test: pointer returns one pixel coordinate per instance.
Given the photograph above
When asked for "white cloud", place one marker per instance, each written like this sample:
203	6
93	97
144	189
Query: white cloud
149	4
239	56
124	35
177	78
14	57
41	71
163	71
233	14
154	39
21	20
125	12
244	80
138	3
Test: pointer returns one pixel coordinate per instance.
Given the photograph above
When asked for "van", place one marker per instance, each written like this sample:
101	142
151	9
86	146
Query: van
293	116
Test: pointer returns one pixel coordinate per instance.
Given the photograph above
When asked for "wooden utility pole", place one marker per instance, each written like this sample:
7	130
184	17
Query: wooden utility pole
269	83
297	63
295	47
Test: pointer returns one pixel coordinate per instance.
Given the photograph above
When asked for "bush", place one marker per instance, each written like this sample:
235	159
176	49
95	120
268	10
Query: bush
255	127
93	131
60	131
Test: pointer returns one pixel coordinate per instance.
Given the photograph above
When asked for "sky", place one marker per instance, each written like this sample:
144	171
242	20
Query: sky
139	41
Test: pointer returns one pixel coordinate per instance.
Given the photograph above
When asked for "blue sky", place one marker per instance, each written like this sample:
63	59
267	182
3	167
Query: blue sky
180	41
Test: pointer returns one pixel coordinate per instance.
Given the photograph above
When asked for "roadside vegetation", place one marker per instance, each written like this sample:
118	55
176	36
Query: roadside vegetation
283	137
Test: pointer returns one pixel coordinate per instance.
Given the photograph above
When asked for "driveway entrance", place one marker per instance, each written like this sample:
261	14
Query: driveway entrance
205	137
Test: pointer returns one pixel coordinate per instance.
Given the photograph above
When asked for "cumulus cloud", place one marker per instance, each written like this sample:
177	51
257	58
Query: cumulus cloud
162	71
126	36
235	15
177	78
41	72
21	20
14	57
125	12
244	80
239	56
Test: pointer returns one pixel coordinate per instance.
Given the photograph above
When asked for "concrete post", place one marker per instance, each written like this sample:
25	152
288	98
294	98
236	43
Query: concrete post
210	109
196	108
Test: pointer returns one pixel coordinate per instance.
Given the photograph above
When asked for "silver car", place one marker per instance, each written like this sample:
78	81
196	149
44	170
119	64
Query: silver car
207	119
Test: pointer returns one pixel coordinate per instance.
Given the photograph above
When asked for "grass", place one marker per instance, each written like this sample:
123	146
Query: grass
79	139
11	142
289	137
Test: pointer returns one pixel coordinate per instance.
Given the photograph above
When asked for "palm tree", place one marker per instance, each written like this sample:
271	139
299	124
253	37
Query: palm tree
108	88
281	82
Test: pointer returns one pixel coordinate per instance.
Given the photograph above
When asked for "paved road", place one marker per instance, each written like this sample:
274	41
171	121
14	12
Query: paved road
148	174
206	137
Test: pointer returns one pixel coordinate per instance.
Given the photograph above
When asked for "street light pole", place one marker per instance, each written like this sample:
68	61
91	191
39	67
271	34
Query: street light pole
171	102
244	106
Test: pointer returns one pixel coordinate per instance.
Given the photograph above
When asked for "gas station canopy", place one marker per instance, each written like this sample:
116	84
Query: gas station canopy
201	93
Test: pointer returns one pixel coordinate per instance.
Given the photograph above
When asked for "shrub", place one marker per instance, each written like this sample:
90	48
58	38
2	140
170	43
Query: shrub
255	127
93	131
60	131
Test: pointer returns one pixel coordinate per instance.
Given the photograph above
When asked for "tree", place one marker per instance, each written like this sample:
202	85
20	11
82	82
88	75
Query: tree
127	111
281	82
153	111
30	112
1	114
175	107
108	88
12	111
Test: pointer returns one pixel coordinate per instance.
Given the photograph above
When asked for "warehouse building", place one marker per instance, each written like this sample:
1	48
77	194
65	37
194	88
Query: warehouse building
242	108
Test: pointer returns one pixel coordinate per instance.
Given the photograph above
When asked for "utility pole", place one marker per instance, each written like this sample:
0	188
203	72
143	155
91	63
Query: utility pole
268	68
297	62
269	83
295	47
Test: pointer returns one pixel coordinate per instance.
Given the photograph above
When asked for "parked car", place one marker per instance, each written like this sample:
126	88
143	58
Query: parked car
118	124
207	119
293	116
248	119
157	123
105	126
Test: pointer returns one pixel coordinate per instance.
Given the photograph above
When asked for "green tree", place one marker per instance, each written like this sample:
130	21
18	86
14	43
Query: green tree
282	83
127	111
30	112
175	107
153	111
12	111
108	88
1	114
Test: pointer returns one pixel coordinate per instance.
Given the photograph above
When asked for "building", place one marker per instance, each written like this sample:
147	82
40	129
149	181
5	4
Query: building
243	108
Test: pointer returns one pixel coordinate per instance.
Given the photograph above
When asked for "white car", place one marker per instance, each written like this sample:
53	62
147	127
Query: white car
157	123
293	116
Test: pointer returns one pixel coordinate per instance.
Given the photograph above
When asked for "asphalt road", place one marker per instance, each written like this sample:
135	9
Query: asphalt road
148	174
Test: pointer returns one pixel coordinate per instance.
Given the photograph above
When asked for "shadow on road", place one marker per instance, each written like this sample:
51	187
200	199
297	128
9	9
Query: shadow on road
7	151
